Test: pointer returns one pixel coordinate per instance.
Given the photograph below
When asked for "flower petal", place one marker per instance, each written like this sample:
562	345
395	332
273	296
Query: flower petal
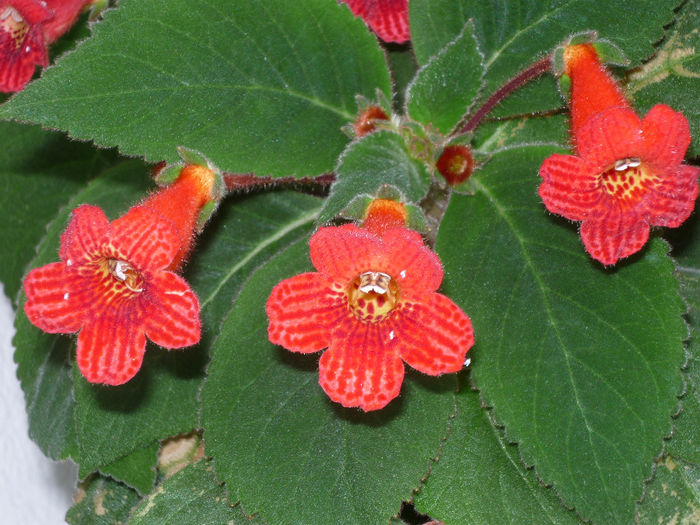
667	136
171	311
145	239
608	136
50	305
434	335
361	368
303	310
618	235
341	251
65	14
85	236
410	262
387	18
568	189
111	346
673	199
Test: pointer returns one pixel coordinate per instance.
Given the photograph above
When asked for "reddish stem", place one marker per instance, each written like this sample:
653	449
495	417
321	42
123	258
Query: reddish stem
535	70
245	183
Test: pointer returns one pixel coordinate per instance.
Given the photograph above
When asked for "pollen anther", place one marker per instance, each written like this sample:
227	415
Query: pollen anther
126	273
629	162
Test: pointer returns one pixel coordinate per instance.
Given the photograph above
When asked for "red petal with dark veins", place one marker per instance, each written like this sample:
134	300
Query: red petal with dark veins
111	345
387	18
85	237
50	305
303	310
673	199
618	235
569	190
406	259
362	368
433	334
145	239
171	311
17	64
667	136
608	136
343	251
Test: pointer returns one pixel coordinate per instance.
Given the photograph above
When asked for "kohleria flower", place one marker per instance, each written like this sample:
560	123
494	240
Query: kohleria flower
387	18
372	304
627	175
27	27
116	285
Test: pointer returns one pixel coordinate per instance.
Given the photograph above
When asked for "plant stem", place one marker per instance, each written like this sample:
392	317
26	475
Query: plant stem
535	70
246	183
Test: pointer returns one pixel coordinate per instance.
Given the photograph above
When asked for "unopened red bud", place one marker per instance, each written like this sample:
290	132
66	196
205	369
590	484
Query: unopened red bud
455	164
365	122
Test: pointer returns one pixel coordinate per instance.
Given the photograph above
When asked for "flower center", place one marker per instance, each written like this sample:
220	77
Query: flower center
12	22
124	272
372	296
628	180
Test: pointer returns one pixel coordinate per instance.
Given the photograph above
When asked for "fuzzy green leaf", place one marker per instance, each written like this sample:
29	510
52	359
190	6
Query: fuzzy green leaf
102	501
514	34
673	495
137	470
284	449
43	360
39	172
480	478
190	496
380	158
447	85
161	400
581	364
255	86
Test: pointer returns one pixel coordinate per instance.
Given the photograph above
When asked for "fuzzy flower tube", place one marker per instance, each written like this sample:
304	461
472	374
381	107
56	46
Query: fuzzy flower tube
116	283
373	305
628	173
27	27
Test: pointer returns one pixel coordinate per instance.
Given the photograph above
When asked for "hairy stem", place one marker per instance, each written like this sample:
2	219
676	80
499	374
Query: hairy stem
535	70
246	183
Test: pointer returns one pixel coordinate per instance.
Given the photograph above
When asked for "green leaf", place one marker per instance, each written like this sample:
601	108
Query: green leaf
686	427
137	470
581	364
480	478
495	136
673	76
161	400
514	34
380	158
403	67
190	496
39	172
284	449
42	359
447	85
102	501
255	86
672	497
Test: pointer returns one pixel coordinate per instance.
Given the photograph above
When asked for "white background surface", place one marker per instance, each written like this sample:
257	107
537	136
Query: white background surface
33	489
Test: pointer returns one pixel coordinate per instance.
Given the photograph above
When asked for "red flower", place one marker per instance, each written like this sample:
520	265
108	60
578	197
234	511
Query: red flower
372	303
387	18
628	173
26	28
114	283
